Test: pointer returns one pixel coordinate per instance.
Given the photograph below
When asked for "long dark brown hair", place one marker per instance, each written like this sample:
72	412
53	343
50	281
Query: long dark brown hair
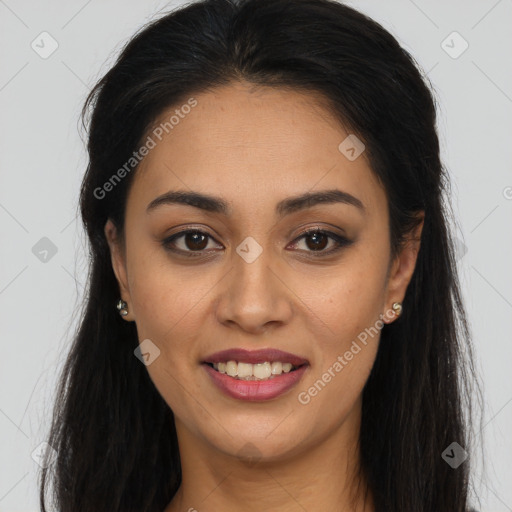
114	433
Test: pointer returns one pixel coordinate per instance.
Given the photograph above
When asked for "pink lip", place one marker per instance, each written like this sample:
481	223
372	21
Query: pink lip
255	356
254	390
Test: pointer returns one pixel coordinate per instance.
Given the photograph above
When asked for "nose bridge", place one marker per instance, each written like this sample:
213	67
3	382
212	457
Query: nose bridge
253	295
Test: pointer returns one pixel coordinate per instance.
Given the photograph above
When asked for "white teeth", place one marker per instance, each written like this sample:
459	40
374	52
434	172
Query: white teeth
248	371
232	368
287	367
277	368
244	370
261	370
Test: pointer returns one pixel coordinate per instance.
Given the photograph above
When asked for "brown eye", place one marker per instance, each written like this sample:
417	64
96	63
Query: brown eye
318	240
190	241
195	241
315	241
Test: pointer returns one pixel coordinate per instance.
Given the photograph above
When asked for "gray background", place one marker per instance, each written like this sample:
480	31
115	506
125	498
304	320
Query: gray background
42	159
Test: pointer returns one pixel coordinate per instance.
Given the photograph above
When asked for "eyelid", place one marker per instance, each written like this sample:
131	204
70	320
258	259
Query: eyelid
341	241
318	229
166	242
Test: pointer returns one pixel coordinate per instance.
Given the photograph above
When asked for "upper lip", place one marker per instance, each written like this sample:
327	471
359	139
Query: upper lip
255	356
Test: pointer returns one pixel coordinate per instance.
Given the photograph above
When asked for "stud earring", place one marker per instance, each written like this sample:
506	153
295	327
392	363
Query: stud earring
397	308
122	307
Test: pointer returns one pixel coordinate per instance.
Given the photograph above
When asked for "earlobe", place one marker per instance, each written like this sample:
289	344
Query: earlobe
402	270
119	267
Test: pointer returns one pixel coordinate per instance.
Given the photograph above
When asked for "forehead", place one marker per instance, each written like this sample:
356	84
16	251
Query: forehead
250	143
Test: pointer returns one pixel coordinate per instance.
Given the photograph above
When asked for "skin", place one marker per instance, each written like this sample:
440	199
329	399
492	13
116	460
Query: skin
254	147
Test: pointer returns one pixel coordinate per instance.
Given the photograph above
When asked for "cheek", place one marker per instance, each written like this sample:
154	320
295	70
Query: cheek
344	360
347	300
349	304
167	305
166	302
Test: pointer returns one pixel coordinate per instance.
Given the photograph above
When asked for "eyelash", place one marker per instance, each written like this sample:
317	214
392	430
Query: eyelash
341	242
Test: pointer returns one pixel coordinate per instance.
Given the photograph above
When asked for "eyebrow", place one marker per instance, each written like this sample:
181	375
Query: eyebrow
285	207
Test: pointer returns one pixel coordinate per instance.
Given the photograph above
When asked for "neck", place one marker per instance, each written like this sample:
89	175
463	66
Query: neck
321	477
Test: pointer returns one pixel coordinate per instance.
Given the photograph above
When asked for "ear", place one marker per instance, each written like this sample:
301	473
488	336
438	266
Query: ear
117	255
402	268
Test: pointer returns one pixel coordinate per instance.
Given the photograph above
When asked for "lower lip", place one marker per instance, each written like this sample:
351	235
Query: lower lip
255	390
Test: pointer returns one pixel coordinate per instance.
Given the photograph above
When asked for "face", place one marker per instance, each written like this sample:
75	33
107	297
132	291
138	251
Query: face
238	270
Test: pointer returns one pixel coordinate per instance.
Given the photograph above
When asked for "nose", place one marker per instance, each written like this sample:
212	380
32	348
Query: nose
254	295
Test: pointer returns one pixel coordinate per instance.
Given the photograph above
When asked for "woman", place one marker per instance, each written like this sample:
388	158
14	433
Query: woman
274	319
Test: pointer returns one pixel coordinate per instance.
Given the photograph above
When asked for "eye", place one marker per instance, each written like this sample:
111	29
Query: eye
188	242
316	240
193	242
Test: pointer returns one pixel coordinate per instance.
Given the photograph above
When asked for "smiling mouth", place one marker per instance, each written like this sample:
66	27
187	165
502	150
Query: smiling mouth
258	371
